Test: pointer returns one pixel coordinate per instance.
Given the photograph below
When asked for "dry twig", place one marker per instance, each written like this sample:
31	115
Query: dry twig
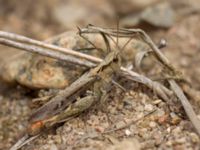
46	52
29	41
129	123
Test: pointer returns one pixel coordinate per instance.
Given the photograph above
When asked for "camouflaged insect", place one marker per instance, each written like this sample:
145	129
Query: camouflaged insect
39	72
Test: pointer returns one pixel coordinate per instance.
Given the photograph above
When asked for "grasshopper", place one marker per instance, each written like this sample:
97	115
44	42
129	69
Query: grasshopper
65	104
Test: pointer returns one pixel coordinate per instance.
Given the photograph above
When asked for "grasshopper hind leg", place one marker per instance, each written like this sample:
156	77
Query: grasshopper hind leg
76	108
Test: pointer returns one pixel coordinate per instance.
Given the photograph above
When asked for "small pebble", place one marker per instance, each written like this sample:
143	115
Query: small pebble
181	140
127	132
139	108
156	102
120	124
80	133
57	139
163	119
169	143
148	107
53	147
100	129
194	138
159	112
152	124
158	138
177	130
175	119
168	129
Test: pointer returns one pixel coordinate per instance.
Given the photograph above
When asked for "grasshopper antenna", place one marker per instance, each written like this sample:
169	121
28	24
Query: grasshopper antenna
129	40
117	31
86	39
79	29
117	42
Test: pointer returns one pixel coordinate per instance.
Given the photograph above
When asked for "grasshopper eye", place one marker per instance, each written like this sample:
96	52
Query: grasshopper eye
115	60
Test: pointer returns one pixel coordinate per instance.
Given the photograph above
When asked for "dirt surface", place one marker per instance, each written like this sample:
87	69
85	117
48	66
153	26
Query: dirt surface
163	129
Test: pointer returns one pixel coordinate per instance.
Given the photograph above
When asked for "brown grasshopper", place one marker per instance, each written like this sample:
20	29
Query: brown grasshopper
64	105
67	102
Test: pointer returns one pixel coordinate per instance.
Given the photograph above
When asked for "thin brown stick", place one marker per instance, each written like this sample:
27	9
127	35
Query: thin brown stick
23	141
161	90
26	40
186	105
46	52
129	123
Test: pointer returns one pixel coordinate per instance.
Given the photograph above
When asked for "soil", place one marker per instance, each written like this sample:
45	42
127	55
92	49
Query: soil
163	129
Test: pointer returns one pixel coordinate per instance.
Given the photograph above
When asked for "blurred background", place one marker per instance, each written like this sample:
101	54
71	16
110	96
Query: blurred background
42	19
